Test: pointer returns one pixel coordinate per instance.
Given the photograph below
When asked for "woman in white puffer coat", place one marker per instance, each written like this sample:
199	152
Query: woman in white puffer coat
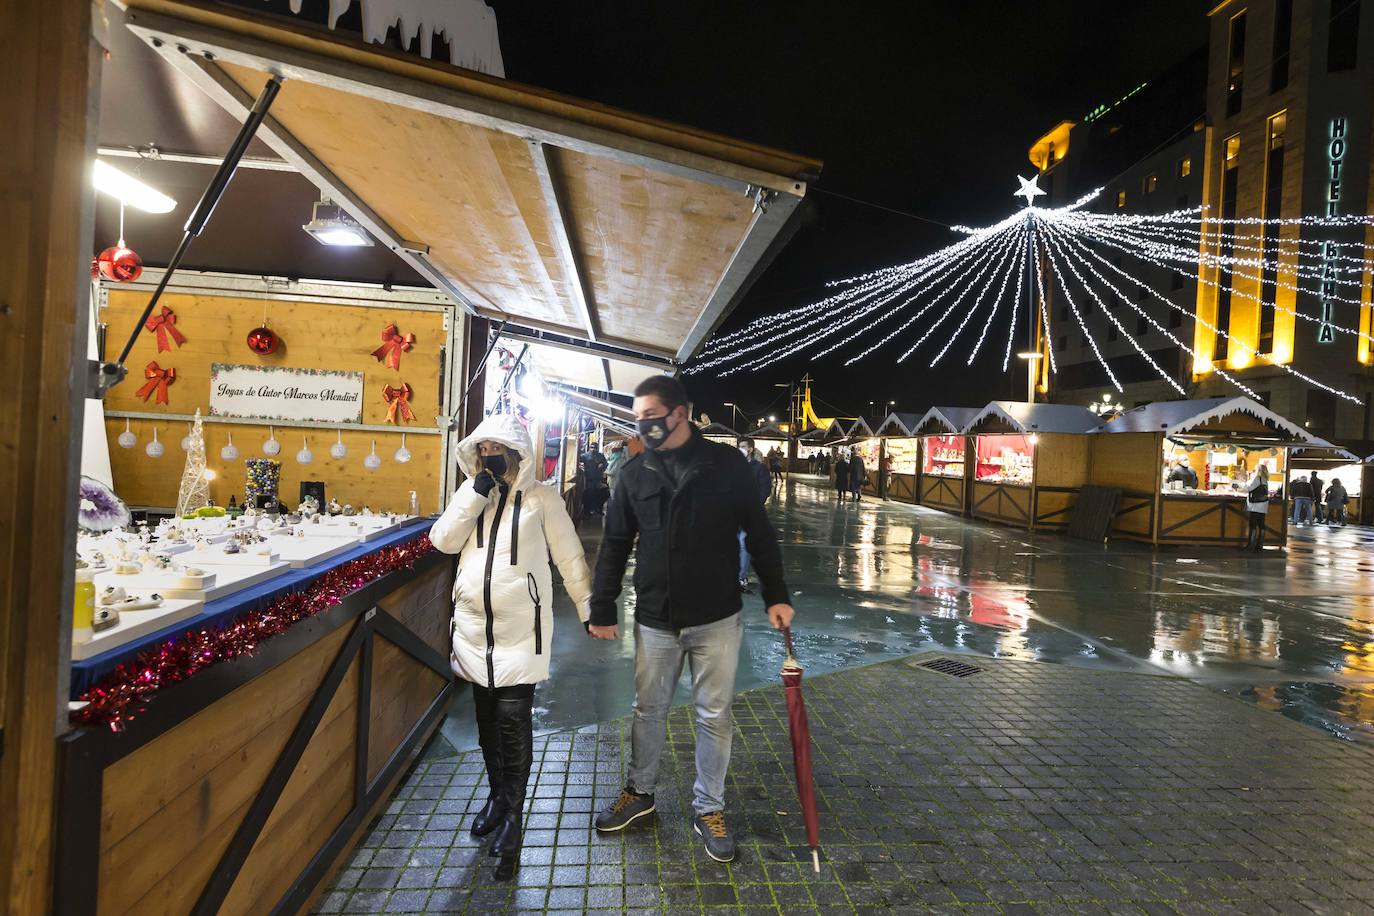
505	526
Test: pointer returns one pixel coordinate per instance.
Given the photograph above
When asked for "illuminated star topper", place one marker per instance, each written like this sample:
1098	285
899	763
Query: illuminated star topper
1030	189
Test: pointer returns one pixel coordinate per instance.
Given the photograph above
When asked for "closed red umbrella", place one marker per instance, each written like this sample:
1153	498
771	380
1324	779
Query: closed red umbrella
801	749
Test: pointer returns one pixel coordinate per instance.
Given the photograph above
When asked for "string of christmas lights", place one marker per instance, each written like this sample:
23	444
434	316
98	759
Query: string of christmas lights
1043	252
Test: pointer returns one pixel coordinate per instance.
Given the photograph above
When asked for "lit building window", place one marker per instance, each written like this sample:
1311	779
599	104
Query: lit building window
1150	183
1121	198
1185	166
1273	210
1230	183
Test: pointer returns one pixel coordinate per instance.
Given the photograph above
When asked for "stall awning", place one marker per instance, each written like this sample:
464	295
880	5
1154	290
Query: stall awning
1019	417
568	363
718	429
1322	450
943	421
522	204
898	424
1238	419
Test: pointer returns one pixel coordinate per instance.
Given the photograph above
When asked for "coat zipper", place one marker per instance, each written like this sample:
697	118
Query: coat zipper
486	592
515	530
480	519
692	474
538	619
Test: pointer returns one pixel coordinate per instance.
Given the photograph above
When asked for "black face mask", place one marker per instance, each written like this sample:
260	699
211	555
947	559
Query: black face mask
495	464
654	432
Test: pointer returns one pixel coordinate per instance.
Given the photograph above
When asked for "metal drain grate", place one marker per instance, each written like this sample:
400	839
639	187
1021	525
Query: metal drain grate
951	667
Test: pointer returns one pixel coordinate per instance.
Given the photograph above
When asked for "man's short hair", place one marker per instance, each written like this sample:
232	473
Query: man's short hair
748	442
667	389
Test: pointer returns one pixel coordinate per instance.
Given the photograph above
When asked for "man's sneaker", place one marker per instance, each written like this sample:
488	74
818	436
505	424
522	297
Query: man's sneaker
624	811
720	845
745	587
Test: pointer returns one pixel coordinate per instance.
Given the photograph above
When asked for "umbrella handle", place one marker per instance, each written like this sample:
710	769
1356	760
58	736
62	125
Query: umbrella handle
787	638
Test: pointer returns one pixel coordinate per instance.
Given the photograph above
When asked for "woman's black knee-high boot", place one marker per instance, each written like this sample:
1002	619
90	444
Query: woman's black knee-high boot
514	716
489	738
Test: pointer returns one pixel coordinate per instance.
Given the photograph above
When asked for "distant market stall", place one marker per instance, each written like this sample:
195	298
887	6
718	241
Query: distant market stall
1183	469
1335	462
901	445
946	480
1029	462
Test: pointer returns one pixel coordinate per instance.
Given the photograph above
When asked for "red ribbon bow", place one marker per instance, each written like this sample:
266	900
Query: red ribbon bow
393	345
163	325
398	397
158	378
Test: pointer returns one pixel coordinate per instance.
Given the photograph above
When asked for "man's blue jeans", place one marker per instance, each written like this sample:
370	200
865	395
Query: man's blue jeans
711	652
743	558
1302	510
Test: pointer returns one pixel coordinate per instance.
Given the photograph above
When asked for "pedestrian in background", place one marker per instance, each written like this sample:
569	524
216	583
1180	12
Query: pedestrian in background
841	477
594	493
1301	492
858	475
677	507
1257	507
1318	510
613	462
1336	498
764	481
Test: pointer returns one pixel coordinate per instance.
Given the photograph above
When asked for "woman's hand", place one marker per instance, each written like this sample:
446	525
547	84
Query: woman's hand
484	483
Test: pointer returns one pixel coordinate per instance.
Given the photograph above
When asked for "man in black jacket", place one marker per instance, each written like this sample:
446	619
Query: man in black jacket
680	506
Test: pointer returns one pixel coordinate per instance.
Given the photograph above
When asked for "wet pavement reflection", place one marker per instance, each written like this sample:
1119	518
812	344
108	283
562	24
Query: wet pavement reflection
1291	631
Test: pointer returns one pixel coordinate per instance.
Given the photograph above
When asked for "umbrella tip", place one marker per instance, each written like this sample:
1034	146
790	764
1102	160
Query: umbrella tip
816	860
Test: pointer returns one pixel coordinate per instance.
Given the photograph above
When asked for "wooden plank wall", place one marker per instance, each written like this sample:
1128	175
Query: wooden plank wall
45	206
170	809
1128	461
1062	460
315	336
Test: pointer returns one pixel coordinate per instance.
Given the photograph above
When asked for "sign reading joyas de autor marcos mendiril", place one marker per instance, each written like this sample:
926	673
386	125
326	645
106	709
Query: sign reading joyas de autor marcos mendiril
272	393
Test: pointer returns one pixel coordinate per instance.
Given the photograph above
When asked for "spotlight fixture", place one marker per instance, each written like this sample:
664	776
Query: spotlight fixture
330	225
130	190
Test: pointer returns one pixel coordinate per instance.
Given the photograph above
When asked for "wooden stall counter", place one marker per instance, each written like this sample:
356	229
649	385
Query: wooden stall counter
240	788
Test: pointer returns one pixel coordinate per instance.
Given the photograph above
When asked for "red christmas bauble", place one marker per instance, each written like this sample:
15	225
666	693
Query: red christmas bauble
120	264
262	341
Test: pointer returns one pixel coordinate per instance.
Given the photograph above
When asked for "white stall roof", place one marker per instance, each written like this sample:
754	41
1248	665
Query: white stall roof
898	424
1036	418
1237	417
944	420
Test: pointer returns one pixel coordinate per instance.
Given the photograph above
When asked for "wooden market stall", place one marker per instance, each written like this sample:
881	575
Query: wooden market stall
719	432
1029	462
809	447
1334	462
946	474
903	449
229	761
1222	441
861	440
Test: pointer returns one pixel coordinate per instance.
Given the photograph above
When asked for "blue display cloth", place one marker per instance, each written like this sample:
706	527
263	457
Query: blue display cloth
222	610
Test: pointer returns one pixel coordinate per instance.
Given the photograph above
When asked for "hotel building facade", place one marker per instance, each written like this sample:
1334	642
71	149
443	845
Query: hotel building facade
1288	98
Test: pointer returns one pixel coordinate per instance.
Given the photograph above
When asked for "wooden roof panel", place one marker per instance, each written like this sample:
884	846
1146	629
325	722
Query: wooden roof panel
468	192
652	245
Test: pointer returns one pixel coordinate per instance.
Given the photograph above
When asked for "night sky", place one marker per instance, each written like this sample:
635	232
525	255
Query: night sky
923	107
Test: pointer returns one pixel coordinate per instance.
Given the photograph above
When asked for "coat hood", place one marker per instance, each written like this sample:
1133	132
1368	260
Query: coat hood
509	431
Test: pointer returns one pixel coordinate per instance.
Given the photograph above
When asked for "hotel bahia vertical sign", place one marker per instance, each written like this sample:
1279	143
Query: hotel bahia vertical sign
278	393
1330	250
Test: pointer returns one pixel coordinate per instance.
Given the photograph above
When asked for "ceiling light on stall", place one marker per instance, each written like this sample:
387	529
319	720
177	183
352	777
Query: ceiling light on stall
128	189
551	411
330	225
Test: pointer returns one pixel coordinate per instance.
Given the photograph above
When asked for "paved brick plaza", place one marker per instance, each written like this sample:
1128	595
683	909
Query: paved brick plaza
1026	788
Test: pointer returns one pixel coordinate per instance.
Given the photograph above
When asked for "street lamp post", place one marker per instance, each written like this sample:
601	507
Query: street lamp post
734	414
1032	363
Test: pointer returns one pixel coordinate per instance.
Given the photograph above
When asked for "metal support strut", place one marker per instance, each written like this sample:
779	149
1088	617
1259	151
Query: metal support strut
111	374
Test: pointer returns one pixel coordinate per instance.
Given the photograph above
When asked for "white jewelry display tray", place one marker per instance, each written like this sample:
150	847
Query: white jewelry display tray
367	529
170	584
307	551
166	548
218	582
135	624
216	556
